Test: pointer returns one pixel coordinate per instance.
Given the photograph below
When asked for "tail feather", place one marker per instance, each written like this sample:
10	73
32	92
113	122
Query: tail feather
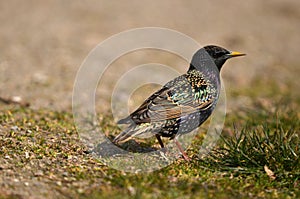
134	131
122	137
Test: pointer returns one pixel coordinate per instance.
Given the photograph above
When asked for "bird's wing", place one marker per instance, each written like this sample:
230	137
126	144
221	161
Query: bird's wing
176	99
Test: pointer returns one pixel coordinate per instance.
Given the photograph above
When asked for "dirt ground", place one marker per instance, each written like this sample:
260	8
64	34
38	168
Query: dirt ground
43	43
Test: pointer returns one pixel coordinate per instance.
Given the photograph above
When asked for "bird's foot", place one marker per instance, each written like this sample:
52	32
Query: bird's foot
181	150
185	156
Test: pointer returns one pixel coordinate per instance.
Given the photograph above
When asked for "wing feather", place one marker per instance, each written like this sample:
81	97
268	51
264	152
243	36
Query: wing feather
174	100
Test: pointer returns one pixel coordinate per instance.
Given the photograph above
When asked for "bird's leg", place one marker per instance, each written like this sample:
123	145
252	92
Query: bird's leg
181	150
159	141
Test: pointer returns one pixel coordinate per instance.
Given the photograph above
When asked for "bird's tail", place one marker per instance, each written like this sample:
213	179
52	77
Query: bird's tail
134	131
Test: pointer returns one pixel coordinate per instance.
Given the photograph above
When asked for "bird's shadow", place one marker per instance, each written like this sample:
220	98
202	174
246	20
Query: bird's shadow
108	149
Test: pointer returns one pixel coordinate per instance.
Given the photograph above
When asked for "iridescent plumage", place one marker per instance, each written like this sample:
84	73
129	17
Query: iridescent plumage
182	104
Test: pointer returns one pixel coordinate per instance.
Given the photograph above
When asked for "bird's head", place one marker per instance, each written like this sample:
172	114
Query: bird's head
218	54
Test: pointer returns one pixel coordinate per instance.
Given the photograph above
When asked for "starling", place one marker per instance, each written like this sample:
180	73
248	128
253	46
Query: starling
182	104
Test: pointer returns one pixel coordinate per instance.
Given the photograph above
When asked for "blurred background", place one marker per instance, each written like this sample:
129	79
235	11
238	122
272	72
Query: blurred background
43	43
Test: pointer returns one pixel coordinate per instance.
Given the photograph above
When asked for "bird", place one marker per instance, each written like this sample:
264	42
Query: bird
182	104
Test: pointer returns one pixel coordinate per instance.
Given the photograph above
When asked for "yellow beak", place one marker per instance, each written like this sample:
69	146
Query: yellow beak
236	54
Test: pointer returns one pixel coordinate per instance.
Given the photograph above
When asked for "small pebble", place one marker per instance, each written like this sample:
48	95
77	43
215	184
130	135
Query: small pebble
39	173
80	190
16	99
26	155
28	131
15	128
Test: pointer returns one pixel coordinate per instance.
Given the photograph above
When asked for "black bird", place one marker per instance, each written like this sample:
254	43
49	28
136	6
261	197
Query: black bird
182	104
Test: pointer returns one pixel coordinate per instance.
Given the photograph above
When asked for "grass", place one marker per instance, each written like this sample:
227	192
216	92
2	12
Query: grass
274	142
257	157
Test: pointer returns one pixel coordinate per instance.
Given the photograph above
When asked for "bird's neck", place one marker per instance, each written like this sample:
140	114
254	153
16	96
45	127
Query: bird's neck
203	69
